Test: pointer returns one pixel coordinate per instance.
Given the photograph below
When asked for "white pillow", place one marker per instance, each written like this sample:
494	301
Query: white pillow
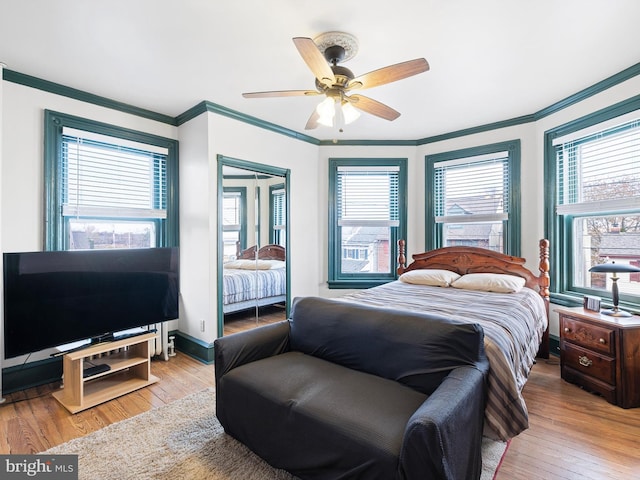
247	264
432	277
274	264
490	282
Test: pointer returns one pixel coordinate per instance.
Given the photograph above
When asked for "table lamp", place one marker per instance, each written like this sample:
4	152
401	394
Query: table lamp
614	268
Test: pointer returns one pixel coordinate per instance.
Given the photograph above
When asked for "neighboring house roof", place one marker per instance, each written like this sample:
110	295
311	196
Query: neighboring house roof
487	203
350	265
478	204
619	245
367	235
79	240
468	231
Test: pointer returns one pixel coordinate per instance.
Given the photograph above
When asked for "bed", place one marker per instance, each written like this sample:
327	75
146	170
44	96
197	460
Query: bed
515	324
257	277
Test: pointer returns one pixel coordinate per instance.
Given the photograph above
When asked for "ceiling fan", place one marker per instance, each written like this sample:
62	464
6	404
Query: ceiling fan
322	56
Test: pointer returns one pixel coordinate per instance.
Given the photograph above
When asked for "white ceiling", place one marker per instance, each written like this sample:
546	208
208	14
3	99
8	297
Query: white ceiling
491	60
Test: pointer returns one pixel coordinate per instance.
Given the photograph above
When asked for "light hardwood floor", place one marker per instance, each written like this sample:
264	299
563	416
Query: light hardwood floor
236	322
573	434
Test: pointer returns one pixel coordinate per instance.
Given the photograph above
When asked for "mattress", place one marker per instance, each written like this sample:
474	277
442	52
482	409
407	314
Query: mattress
240	285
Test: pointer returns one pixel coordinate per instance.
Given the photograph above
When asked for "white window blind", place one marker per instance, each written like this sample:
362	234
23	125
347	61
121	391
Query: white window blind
368	196
106	177
472	189
600	172
278	209
231	211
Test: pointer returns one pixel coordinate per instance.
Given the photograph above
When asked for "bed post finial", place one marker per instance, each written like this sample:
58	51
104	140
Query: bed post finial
402	259
545	280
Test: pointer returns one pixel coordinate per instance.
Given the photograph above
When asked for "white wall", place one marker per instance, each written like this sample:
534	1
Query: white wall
197	226
198	210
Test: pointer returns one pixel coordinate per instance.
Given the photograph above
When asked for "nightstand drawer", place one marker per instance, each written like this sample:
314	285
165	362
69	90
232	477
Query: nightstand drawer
600	353
590	336
590	363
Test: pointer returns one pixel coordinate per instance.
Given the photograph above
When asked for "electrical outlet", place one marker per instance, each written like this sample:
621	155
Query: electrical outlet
202	325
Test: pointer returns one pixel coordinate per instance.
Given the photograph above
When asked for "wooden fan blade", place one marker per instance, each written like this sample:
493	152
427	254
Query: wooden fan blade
389	74
373	107
281	93
315	60
313	121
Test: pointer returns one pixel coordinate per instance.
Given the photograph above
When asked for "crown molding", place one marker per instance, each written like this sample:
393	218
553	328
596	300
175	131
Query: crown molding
206	106
599	87
58	89
479	129
370	143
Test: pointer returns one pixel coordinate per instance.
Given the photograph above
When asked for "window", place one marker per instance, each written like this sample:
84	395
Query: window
277	209
367	217
108	187
596	203
473	198
234	221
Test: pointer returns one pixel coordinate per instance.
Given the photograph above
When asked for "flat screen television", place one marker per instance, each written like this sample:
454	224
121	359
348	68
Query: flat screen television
57	298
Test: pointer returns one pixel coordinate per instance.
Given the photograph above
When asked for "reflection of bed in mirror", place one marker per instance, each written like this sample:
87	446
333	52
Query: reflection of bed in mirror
255	280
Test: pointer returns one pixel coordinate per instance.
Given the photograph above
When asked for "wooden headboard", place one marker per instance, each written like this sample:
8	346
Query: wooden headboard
268	252
464	260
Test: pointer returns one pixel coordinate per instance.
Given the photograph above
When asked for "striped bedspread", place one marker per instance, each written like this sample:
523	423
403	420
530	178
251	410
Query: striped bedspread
513	325
242	285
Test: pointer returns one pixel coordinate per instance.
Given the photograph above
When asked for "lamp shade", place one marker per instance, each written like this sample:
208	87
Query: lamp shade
326	111
334	112
613	267
350	113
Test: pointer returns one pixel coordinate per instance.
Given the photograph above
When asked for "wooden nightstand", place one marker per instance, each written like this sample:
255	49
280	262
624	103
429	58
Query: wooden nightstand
602	354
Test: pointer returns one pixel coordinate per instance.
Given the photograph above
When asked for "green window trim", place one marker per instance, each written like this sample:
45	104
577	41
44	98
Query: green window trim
54	123
242	193
558	228
337	279
512	225
277	209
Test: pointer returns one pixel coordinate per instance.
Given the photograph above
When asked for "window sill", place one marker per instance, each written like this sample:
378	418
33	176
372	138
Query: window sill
356	284
571	299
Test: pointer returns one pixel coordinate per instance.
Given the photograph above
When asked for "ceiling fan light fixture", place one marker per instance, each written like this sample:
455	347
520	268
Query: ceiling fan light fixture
351	114
334	112
326	110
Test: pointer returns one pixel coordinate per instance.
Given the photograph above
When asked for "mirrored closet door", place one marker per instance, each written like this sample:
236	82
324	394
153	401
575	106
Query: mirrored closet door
253	232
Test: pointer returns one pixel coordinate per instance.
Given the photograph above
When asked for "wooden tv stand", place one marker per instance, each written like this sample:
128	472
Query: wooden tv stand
130	369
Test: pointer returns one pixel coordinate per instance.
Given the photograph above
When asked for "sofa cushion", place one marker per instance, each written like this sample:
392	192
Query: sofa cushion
307	415
415	349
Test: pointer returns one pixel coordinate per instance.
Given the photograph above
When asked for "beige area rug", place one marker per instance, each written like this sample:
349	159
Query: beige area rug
184	440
